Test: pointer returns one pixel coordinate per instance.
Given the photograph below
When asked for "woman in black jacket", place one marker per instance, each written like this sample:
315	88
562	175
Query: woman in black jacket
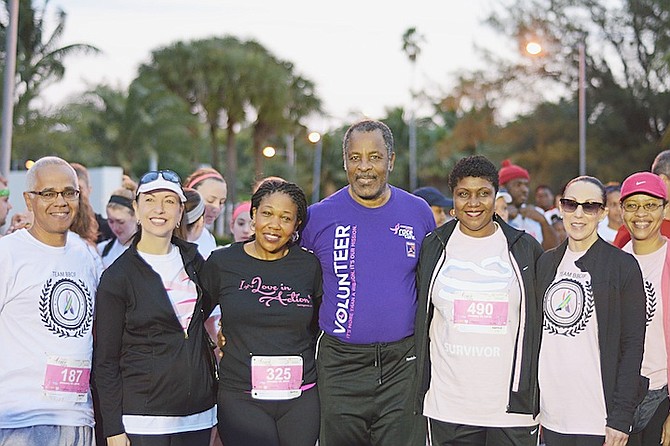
478	321
152	369
593	330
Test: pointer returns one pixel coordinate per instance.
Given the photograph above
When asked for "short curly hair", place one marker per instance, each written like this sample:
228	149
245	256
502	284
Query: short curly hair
474	166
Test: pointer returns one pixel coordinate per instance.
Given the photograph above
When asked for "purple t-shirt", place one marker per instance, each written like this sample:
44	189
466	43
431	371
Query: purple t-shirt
368	257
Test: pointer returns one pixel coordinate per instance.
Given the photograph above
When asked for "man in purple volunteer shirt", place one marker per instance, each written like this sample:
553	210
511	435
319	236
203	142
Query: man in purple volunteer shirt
367	237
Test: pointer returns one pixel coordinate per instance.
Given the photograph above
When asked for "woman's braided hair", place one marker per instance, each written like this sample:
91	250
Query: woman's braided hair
294	191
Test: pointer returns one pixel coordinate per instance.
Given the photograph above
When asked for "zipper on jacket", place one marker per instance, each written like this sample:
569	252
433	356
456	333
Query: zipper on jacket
515	379
423	353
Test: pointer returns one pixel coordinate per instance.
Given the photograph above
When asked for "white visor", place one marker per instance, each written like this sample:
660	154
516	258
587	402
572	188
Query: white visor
162	184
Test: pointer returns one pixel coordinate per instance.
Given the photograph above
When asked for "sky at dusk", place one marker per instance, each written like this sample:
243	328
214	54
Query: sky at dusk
352	50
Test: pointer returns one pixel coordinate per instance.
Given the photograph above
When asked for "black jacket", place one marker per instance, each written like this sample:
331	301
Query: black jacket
619	298
525	250
144	363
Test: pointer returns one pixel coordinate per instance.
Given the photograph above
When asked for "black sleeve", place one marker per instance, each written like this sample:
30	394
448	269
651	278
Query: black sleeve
208	300
210	275
631	347
111	304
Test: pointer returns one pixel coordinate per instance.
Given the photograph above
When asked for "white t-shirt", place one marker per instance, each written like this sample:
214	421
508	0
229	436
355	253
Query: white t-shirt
654	361
605	232
206	243
473	332
114	252
530	226
46	315
183	295
572	400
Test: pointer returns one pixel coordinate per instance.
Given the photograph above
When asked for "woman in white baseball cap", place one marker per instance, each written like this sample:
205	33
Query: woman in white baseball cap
152	367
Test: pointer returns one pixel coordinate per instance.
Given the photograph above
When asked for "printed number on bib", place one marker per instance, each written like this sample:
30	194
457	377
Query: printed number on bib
481	312
276	377
67	379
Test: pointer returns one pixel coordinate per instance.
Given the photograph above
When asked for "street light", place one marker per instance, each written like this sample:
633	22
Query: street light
534	48
269	151
315	138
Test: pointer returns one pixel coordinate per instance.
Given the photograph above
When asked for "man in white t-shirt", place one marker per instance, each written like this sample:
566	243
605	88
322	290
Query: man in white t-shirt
515	180
47	287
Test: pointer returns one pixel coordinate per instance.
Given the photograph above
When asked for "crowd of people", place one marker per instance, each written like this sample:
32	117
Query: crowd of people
373	317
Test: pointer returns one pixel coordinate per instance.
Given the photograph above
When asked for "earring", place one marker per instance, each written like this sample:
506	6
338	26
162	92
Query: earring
295	237
452	212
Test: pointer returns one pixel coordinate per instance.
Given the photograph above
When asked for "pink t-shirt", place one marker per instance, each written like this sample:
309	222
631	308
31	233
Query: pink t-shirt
654	361
477	302
572	400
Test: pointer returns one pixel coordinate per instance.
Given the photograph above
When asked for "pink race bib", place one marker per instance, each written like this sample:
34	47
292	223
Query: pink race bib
67	378
481	312
276	377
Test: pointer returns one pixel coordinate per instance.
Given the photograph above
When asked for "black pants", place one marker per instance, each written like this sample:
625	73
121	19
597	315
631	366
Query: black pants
651	434
194	438
244	421
450	434
366	394
552	438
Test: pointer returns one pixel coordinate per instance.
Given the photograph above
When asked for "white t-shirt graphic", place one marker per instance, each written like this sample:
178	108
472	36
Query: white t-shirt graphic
473	332
572	400
46	315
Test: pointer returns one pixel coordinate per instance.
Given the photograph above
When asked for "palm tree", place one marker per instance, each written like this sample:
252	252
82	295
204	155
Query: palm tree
40	58
280	98
128	126
210	76
411	41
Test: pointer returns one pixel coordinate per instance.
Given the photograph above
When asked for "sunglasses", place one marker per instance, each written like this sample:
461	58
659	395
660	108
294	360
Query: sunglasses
167	175
589	207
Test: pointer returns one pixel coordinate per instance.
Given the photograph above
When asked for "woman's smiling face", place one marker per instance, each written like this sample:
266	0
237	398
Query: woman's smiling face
474	206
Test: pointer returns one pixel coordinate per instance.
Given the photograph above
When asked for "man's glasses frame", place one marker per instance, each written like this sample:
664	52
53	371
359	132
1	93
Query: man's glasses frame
589	207
49	195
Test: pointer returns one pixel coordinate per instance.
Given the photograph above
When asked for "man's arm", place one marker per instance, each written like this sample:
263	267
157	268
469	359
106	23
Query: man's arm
549	236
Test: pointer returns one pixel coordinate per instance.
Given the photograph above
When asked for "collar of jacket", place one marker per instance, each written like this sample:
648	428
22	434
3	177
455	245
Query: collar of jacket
511	234
585	262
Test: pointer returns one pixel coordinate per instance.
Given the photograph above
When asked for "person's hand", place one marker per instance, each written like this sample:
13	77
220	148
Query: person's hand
220	338
20	221
530	212
614	437
665	433
118	440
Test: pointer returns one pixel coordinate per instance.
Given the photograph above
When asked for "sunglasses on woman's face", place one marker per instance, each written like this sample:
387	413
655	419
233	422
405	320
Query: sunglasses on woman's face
589	207
167	175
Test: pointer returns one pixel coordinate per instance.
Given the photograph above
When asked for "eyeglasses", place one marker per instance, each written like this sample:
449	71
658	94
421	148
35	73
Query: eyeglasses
51	195
648	207
167	175
589	207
